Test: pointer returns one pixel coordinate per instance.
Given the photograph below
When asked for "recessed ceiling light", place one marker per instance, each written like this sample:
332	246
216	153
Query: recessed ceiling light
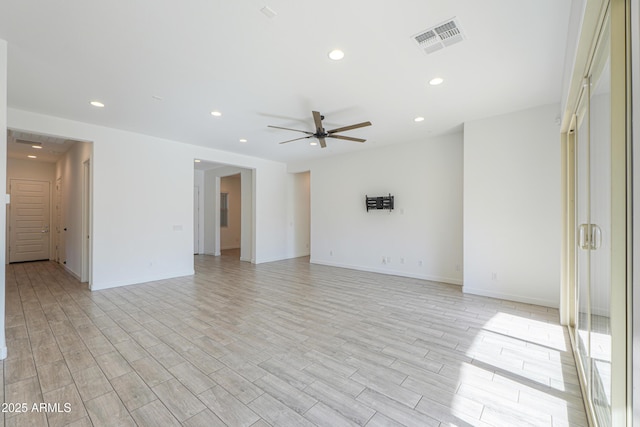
336	54
216	113
197	160
39	147
436	81
419	119
313	143
32	157
97	104
243	140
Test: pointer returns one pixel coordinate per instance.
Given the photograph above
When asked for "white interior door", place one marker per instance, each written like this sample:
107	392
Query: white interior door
29	220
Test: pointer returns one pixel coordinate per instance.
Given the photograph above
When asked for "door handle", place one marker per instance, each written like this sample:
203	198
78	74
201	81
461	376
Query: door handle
46	229
583	239
589	236
596	236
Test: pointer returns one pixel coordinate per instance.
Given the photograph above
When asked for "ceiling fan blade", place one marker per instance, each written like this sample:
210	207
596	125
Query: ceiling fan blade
296	139
323	143
296	130
356	126
348	138
317	119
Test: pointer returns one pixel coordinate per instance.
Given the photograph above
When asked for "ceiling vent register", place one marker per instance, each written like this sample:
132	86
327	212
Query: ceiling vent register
440	36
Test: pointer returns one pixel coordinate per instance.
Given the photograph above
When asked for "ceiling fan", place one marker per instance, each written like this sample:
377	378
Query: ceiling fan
321	133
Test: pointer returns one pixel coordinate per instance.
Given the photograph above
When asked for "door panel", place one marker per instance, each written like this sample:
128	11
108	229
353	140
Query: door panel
29	221
600	189
593	172
583	254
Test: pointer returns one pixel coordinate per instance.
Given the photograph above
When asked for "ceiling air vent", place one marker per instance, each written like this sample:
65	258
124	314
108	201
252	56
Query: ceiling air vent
439	36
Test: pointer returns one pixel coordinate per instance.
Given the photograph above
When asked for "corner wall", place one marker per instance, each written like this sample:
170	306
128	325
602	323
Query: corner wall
512	206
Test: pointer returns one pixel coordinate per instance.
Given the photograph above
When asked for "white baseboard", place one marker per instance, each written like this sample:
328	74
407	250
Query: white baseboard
510	297
143	279
441	279
71	272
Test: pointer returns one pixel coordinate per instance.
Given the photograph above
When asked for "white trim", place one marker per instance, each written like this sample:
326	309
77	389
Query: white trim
510	297
142	279
389	272
71	272
3	353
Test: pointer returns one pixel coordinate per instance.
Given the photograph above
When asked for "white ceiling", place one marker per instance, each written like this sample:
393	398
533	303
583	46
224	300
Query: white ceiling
204	55
21	145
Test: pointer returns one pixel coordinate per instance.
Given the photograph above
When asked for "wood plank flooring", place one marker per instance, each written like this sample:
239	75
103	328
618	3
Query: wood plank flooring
282	344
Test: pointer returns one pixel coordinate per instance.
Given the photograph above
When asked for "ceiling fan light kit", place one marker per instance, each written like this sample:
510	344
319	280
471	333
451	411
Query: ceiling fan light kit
321	134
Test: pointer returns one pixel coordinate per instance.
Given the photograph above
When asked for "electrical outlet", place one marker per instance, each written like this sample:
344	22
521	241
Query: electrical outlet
494	276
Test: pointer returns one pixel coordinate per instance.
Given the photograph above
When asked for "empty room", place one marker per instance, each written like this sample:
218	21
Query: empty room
286	213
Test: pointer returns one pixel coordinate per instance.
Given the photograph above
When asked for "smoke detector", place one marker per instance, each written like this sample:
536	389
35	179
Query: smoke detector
439	36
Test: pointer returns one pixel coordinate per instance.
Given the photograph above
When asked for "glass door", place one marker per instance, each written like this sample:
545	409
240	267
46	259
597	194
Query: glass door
592	329
600	207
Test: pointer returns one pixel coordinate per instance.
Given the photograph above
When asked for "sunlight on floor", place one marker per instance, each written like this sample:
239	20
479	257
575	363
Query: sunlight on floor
519	365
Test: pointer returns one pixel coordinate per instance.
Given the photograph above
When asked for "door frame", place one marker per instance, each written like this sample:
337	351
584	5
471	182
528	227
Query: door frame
87	223
621	209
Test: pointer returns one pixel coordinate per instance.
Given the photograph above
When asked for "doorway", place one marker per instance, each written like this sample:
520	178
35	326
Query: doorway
59	244
208	177
230	218
196	219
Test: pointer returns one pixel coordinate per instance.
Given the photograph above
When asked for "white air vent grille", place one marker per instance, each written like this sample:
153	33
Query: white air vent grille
22	141
439	36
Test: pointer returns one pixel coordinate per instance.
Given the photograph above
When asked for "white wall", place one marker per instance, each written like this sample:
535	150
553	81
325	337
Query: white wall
34	170
230	235
29	169
3	184
71	169
270	184
512	224
421	238
299	214
143	200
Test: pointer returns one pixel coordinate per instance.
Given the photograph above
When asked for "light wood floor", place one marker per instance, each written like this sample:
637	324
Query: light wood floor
285	343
